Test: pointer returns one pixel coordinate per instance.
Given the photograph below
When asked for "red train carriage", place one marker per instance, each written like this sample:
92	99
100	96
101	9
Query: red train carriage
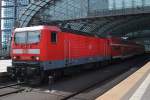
36	50
124	49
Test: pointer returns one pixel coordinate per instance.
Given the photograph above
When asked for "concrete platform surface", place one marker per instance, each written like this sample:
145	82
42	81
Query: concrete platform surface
4	64
135	87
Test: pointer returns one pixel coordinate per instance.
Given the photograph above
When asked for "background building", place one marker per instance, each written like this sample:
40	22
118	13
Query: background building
97	5
120	4
10	10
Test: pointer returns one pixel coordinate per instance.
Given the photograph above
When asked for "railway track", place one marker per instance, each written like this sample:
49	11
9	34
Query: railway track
10	89
74	96
87	88
74	93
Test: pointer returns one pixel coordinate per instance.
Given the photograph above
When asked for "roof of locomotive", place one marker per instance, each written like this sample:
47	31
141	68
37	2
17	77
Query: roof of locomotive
52	28
36	28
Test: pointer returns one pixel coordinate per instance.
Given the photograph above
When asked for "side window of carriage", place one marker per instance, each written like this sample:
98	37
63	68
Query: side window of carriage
54	36
116	48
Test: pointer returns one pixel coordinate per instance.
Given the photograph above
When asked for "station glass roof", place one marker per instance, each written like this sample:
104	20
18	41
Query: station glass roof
86	16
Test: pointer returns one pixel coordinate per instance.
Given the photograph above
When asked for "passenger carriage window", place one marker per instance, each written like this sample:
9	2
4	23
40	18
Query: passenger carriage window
116	48
53	37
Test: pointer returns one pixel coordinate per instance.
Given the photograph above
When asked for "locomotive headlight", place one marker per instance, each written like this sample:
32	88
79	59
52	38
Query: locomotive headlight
37	58
14	57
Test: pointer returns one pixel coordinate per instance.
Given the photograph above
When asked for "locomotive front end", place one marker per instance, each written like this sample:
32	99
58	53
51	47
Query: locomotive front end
25	53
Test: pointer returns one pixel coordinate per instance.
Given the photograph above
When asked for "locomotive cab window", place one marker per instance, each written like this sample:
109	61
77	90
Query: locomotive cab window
54	37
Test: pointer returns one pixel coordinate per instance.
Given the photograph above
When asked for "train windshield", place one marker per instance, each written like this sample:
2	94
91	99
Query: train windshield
27	37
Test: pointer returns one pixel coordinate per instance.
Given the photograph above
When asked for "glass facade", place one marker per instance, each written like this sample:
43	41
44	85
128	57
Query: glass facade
121	4
68	9
10	11
98	5
71	9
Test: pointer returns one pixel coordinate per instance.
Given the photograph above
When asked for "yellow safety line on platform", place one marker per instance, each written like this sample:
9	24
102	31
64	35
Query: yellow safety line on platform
117	92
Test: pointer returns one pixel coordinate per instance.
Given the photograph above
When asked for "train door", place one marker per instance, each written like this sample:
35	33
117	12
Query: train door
67	51
107	49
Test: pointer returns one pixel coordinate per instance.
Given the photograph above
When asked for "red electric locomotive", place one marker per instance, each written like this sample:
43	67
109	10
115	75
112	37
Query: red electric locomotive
41	50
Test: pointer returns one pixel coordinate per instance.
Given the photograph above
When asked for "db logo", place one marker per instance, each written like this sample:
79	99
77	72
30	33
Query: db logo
90	46
25	51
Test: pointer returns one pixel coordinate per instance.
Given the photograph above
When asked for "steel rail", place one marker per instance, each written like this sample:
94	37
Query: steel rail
16	91
2	87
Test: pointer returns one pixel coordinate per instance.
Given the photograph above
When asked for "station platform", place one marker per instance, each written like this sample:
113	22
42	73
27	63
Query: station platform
135	87
3	65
